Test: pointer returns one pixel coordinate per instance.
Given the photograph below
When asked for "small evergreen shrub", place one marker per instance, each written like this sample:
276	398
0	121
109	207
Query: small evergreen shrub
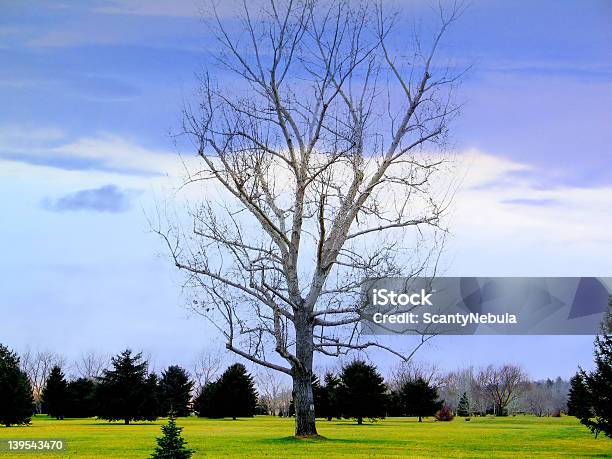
171	445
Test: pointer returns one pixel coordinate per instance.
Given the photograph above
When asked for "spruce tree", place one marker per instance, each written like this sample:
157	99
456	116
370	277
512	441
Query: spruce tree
419	398
16	401
362	392
330	404
126	391
175	391
463	408
171	445
578	403
151	408
237	392
208	402
599	382
54	395
318	395
81	401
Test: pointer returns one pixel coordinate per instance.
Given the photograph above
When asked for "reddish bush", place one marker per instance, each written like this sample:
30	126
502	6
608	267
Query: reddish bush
445	414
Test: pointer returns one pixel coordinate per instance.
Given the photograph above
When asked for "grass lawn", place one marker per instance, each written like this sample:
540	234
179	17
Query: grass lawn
266	436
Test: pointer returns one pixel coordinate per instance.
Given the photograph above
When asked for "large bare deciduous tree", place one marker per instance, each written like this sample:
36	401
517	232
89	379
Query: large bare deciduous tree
37	365
503	385
320	144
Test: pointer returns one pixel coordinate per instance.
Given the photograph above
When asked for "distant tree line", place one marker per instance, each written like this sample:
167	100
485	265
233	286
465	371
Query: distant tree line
127	391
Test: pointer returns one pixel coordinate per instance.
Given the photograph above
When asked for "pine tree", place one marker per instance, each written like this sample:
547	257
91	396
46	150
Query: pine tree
54	395
318	394
599	381
237	392
126	391
463	408
394	404
81	402
330	404
420	399
16	401
578	398
208	404
175	391
171	445
151	407
362	392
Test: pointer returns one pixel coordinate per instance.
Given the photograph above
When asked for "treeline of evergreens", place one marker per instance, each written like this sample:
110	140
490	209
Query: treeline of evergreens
127	391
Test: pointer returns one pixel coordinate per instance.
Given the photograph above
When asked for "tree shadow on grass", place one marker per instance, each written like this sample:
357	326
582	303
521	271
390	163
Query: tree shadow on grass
291	440
352	424
107	424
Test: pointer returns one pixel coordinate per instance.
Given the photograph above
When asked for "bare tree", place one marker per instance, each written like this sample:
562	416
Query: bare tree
37	365
207	366
408	371
316	148
274	390
454	384
503	385
91	364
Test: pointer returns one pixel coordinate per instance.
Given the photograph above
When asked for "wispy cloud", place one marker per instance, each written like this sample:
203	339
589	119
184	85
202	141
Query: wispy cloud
108	198
530	202
104	152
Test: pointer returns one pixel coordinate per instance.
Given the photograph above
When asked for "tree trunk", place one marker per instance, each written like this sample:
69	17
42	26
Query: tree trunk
126	421
359	421
304	406
303	400
420	419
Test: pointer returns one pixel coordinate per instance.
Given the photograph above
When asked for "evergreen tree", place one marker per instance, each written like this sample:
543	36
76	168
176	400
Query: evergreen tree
175	391
171	445
318	394
362	392
394	404
16	401
578	398
80	397
330	404
419	398
599	382
54	395
152	408
237	392
463	408
207	404
126	391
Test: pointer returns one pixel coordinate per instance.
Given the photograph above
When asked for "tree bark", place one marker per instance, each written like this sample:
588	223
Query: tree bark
359	421
303	399
304	406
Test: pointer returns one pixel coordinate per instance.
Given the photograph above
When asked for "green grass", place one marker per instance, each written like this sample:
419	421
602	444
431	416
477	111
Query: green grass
263	436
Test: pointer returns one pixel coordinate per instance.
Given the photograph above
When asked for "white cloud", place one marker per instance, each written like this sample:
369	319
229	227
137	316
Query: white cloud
495	203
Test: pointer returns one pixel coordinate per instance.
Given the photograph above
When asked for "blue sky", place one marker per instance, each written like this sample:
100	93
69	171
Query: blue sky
91	90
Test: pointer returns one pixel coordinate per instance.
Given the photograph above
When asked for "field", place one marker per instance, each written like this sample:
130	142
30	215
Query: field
521	436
